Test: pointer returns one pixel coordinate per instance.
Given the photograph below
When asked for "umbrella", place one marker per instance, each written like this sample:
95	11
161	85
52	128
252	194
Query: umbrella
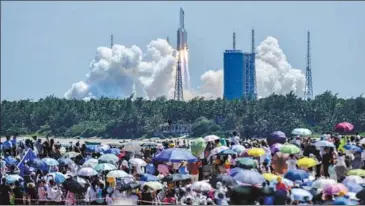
175	155
108	158
87	172
343	201
50	161
270	176
90	163
256	152
201	186
12	178
301	132
198	146
11	160
287	182
249	177
239	149
149	144
352	179
149	178
224	179
65	161
217	150
76	185
133	147
38	164
290	149
246	163
361	194
71	154
334	189
211	138
114	151
355	188
278	162
300	194
245	195
137	162
324	143
176	177
58	177
296	175
306	162
235	171
117	174
353	148
276	148
131	185
276	137
322	183
357	172
105	167
228	152
344	127
153	185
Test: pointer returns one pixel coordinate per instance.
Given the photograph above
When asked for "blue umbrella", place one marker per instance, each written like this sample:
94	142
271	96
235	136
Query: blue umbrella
149	178
235	171
65	161
175	155
249	177
355	188
12	178
50	161
11	160
115	151
295	175
38	164
343	201
228	152
58	177
300	194
353	148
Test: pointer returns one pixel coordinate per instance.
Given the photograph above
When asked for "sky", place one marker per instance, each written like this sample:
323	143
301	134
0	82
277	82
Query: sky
48	46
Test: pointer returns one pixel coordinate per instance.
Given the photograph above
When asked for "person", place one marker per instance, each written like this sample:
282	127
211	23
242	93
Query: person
4	193
54	193
14	142
7	146
146	196
182	168
280	185
292	162
194	170
18	193
326	159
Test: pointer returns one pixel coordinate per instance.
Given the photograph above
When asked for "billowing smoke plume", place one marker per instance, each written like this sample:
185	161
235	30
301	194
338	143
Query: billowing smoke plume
121	71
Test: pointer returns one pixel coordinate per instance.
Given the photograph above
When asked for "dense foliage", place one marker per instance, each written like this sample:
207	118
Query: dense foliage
129	118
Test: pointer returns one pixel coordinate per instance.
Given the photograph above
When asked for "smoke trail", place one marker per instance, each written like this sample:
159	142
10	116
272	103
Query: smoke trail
120	71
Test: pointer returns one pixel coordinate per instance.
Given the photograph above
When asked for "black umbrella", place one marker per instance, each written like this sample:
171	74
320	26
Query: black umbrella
245	195
76	185
176	178
224	179
130	186
361	195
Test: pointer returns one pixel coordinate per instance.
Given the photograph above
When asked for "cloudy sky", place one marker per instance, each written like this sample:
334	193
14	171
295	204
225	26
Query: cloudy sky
48	46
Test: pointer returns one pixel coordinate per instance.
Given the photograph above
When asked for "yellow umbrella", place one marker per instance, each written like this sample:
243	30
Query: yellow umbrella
357	172
256	152
270	176
306	162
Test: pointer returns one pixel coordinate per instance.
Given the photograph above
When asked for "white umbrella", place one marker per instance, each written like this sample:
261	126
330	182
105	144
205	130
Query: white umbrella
87	172
300	194
324	143
137	162
217	150
117	174
362	141
90	163
211	138
352	179
301	132
322	182
201	186
134	147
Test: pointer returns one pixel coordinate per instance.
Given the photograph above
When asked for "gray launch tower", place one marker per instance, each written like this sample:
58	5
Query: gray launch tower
308	93
181	62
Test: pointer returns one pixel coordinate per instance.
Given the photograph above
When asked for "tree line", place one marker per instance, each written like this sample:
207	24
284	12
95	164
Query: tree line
128	118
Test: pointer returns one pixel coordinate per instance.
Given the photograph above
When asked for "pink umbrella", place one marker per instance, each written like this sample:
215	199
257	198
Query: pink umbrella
334	189
344	127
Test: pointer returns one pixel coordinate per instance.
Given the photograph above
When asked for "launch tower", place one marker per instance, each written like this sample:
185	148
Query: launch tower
308	92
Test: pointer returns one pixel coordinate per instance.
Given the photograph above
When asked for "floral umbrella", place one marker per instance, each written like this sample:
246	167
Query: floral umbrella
334	189
344	127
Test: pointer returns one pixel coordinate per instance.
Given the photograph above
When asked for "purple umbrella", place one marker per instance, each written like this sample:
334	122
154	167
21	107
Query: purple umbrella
276	137
175	155
275	148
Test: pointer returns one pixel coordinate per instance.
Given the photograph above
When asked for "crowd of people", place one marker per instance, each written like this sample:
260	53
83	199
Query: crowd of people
205	171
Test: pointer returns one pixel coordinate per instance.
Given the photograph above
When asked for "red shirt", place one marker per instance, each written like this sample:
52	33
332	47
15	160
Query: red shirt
281	186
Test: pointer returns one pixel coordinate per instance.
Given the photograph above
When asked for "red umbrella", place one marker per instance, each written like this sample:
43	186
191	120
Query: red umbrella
344	127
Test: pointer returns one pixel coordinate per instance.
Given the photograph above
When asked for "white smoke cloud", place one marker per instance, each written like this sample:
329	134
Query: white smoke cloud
120	71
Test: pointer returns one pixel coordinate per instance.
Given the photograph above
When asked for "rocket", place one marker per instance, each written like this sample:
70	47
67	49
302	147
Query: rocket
182	34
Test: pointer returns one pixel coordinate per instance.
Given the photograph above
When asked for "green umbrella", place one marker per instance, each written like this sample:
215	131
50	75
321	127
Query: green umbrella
104	167
198	146
246	162
289	149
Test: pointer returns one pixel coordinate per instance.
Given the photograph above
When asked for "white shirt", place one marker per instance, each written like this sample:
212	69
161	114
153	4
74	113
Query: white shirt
340	161
292	164
235	140
91	194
